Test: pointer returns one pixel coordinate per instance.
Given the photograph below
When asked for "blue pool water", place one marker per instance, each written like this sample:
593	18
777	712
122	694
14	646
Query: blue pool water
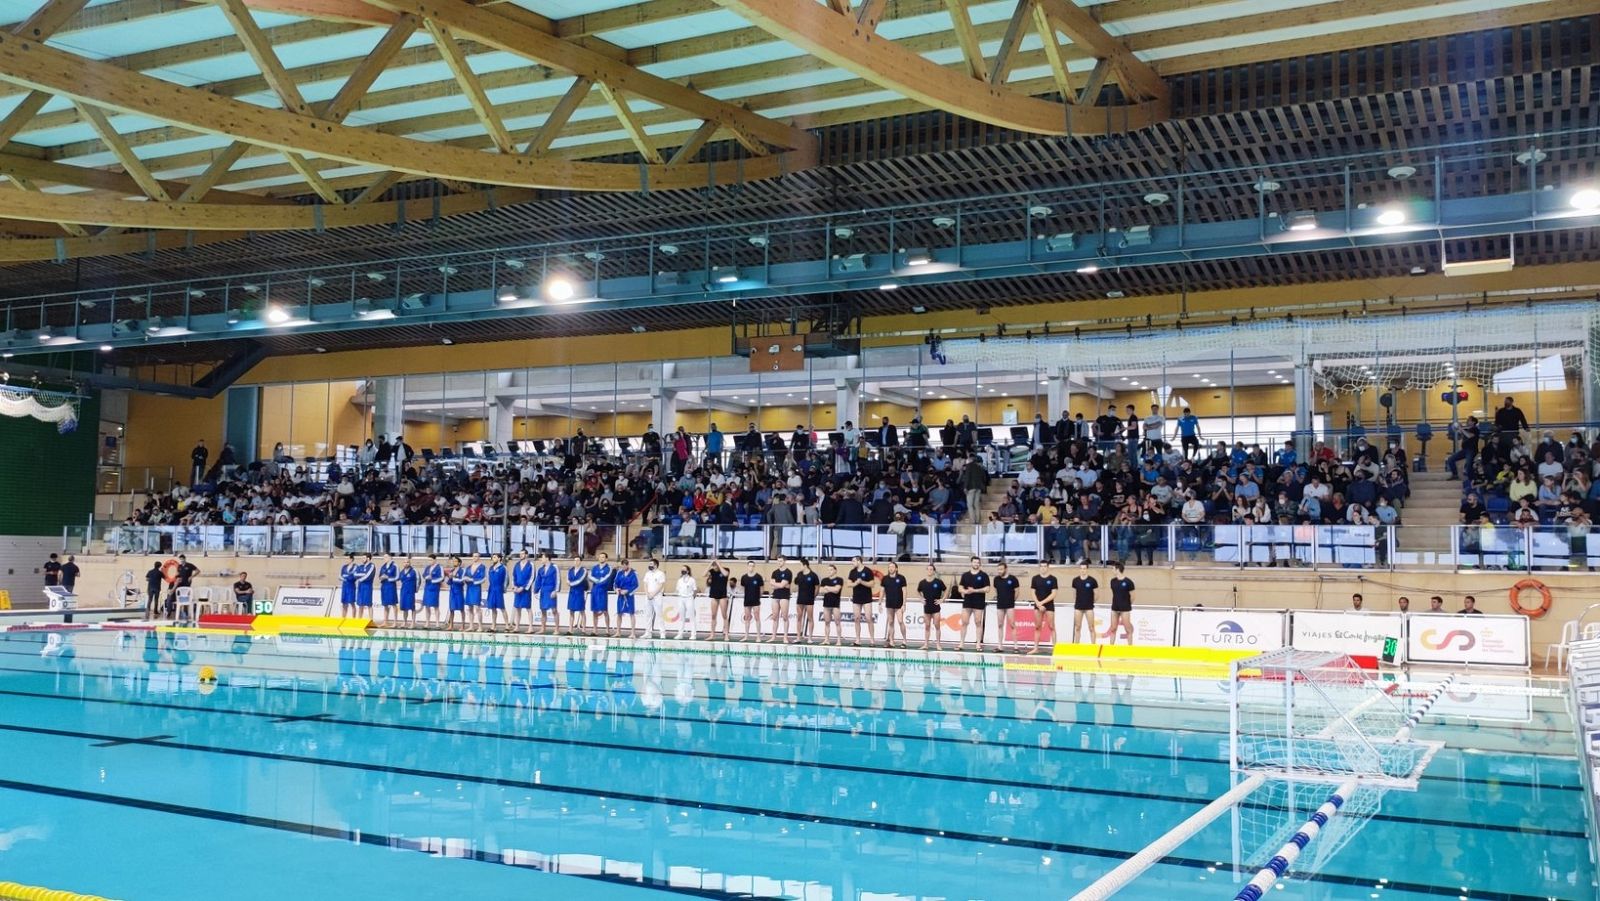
356	768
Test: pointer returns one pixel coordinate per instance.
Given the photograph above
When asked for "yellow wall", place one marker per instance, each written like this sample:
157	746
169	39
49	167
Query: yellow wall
162	430
311	417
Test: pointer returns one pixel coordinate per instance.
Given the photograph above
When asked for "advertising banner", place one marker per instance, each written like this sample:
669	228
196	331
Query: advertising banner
1470	639
303	601
1344	632
1152	626
1234	630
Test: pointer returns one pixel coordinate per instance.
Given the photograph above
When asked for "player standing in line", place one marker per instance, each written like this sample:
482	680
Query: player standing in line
494	600
577	597
974	587
1083	589
626	582
933	590
782	585
752	583
601	576
408	595
717	589
366	574
388	588
432	583
688	590
805	602
546	582
894	601
347	588
655	609
1005	601
832	586
458	593
1121	605
476	576
861	579
1045	585
521	592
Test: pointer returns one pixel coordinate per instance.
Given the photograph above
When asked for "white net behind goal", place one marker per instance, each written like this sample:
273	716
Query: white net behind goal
1300	715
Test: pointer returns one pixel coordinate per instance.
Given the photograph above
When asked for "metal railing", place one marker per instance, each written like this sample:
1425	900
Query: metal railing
1460	548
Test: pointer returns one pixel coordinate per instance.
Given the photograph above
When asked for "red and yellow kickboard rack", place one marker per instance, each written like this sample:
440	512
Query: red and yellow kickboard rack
1137	660
274	625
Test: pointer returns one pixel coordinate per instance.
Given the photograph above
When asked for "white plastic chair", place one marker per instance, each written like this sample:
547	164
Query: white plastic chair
204	603
1569	634
184	604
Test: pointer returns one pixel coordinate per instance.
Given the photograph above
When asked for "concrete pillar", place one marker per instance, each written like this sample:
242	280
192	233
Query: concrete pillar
847	402
1305	398
664	410
388	406
1058	395
502	407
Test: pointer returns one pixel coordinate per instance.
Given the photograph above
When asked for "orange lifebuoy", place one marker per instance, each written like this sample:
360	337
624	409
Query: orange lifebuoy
1530	585
169	571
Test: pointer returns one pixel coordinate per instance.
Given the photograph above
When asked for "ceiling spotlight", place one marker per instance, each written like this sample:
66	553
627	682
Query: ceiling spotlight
507	295
1392	216
447	341
724	275
413	302
1137	236
1039	211
1114	294
919	309
559	287
638	329
155	324
196	293
1586	200
1156	198
843	232
233	316
1531	155
320	349
126	326
890	285
106	348
250	288
376	276
1088	269
855	262
315	282
277	315
758	240
1401	173
594	256
448	270
944	221
1300	221
1419	270
514	264
43	334
1266	186
361	307
1058	243
917	256
670	250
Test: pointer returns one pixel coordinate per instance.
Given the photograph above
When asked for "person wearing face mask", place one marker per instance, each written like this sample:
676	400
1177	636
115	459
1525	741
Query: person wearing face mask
687	608
655	584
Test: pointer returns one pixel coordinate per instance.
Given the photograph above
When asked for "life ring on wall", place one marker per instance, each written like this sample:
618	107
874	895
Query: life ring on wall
169	571
1530	585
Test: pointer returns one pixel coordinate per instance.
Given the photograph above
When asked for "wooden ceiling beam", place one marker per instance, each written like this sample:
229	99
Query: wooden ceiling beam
130	161
488	27
1010	42
651	12
1052	53
558	117
48	19
697	139
27	186
835	39
360	81
107	180
471	88
630	124
967	36
1078	24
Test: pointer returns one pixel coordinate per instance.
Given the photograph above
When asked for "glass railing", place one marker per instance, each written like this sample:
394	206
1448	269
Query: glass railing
1542	548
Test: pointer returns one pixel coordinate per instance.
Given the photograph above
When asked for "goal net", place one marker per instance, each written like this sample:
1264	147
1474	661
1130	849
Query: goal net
1273	813
1318	716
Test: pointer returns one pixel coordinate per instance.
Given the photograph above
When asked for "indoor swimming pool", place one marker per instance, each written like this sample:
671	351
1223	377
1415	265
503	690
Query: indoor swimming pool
373	768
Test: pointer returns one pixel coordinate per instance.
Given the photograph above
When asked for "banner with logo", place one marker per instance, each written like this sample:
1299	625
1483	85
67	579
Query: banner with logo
1475	639
1152	626
1344	632
1233	630
303	601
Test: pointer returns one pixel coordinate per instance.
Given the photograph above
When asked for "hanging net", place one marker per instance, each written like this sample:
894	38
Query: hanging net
61	409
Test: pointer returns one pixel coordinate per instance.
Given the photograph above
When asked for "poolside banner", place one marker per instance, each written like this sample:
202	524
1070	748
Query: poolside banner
1344	631
302	601
1231	630
1152	626
1469	639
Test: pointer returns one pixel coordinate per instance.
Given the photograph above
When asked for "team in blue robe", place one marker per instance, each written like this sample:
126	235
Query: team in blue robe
577	592
389	582
432	583
366	573
408	590
546	581
347	586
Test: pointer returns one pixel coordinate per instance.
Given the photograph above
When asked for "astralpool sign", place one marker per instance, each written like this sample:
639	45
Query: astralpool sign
1234	630
303	601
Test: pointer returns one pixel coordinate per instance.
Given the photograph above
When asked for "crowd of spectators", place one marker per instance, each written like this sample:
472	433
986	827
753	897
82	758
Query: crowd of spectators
1505	482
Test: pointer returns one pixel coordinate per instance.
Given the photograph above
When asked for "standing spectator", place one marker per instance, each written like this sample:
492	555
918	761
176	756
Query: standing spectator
1155	429
680	451
197	460
888	435
714	445
974	479
947	434
1469	435
227	462
967	433
153	581
1509	423
52	572
1189	433
1130	432
1106	427
69	573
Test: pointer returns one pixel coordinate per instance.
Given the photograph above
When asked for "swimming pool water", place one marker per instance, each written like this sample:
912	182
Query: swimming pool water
369	768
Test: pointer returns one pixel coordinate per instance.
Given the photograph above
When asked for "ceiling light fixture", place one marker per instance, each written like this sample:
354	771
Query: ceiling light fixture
1392	216
1266	186
1401	173
316	282
1088	269
513	264
724	275
1586	200
559	287
1157	198
917	256
1300	221
277	315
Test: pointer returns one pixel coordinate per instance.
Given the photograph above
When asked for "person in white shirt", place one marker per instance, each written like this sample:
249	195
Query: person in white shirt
1029	477
687	587
1317	489
1155	428
655	582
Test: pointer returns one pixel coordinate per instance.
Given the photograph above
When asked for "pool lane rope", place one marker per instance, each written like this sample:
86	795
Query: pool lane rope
1280	862
13	891
1422	709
